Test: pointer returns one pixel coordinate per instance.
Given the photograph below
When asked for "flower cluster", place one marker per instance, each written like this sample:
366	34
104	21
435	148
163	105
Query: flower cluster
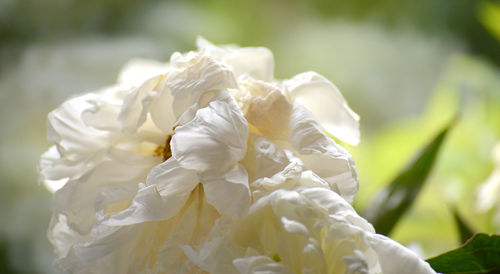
209	164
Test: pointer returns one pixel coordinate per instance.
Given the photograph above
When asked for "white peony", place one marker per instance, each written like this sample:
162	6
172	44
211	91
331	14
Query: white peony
302	230
153	162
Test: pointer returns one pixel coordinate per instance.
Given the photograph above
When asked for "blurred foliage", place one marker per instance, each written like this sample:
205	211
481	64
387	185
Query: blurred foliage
468	86
464	230
23	21
396	199
489	15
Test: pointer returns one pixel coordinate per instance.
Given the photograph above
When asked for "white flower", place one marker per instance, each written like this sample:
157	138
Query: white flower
151	163
489	190
303	230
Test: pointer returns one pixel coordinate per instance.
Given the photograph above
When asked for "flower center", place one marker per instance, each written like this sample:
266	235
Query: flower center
164	151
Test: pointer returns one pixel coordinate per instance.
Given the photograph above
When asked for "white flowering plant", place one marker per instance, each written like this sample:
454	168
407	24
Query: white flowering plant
207	164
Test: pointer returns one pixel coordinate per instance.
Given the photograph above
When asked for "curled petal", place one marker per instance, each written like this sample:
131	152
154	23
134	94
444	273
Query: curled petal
229	193
255	62
136	104
215	139
395	258
321	154
198	74
67	130
270	115
76	199
327	104
169	187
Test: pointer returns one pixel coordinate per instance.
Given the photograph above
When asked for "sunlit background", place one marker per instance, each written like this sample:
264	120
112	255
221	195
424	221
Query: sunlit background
406	67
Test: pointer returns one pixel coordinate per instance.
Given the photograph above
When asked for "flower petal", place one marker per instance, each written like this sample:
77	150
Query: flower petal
136	104
169	187
76	199
255	62
229	193
67	130
326	103
321	154
215	139
197	75
395	258
270	115
162	112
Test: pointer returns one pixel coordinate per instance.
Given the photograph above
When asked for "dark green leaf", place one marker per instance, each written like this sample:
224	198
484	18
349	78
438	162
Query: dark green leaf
464	230
392	202
480	254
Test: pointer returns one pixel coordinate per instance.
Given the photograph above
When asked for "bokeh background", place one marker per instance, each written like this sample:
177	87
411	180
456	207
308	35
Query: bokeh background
406	67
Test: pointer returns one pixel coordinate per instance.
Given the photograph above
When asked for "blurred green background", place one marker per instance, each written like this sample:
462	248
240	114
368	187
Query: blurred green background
406	67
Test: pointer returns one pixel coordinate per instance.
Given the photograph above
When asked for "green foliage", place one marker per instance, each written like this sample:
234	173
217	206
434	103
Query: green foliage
394	201
480	254
464	230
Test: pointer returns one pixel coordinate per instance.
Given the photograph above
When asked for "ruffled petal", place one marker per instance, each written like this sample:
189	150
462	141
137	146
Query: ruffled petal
256	62
326	103
54	170
162	112
215	139
260	264
67	130
168	188
229	193
395	258
77	198
136	104
195	75
269	158
270	115
321	154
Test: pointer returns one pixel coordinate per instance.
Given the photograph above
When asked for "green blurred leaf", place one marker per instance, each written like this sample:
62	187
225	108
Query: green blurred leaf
464	230
392	202
480	254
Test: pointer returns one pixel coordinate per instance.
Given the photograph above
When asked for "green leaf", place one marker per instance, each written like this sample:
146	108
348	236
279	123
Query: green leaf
392	202
464	230
480	254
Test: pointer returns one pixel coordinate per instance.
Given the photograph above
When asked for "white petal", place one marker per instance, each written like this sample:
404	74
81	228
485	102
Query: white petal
229	193
395	258
215	139
331	201
321	154
169	186
102	115
136	104
67	130
115	197
269	158
270	115
201	74
55	170
162	111
108	239
76	199
327	104
256	62
260	265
